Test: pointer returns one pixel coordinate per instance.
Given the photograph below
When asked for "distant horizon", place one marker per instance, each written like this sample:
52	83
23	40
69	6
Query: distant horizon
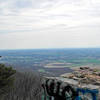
51	48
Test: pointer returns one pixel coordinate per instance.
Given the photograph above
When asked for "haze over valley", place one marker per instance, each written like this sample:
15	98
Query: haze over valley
51	61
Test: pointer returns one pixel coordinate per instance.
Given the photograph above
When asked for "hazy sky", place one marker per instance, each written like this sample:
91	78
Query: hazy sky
49	23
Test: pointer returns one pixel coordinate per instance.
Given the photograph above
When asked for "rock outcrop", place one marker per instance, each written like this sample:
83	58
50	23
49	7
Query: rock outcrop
85	75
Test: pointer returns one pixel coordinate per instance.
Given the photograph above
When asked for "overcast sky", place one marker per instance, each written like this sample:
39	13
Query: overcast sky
49	24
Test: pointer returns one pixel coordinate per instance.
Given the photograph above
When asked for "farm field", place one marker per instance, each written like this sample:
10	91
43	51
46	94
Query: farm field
52	61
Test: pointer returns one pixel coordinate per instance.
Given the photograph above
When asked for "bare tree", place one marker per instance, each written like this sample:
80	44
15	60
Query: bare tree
27	86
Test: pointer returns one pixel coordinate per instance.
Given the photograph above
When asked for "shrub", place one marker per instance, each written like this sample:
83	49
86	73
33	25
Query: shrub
6	79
